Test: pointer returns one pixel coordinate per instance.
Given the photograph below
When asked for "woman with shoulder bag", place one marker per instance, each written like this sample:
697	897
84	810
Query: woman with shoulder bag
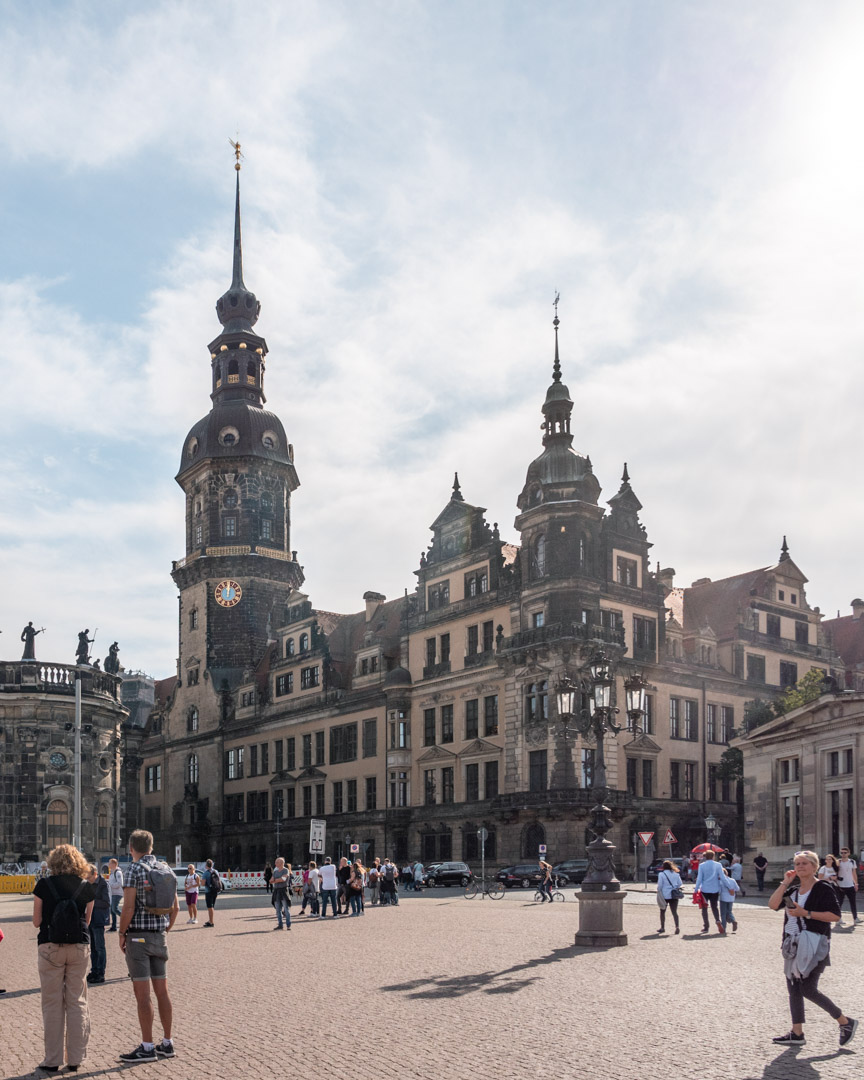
670	892
355	888
810	909
62	907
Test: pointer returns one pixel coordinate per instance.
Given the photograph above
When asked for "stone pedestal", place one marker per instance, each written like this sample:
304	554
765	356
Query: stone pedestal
601	918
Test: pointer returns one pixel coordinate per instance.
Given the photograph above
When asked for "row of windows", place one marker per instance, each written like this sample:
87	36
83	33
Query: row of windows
57	824
343	747
756	670
478	638
476	583
228	529
439	722
439	784
310	677
684	721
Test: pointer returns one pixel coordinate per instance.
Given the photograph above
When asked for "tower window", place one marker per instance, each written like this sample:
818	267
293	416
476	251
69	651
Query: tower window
304	642
540	556
289	647
266	504
250	373
230	500
229	436
192	720
266	529
199	535
229	526
193	619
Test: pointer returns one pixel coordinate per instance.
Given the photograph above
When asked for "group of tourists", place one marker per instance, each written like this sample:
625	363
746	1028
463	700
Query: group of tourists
73	906
811	897
343	888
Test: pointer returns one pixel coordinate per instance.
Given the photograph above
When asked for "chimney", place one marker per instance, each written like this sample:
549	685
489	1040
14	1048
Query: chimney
373	601
857	609
666	577
700	581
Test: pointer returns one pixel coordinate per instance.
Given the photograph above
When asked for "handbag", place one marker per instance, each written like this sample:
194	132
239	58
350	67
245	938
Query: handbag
675	893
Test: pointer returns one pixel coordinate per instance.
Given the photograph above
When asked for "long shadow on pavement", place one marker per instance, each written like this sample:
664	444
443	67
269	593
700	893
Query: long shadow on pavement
790	1065
487	981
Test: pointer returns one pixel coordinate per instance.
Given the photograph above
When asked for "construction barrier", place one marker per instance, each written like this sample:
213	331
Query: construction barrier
17	883
236	880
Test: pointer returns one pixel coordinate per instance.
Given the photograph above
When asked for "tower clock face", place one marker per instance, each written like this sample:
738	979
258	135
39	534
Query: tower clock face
228	593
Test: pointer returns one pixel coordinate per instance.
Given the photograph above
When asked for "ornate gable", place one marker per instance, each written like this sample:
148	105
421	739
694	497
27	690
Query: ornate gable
480	748
437	753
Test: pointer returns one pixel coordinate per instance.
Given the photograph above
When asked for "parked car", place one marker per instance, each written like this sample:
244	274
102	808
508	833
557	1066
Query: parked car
449	873
525	875
571	871
654	869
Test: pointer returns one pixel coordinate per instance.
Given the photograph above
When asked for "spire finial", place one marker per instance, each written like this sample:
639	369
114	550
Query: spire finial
784	550
237	154
237	279
457	492
556	367
625	476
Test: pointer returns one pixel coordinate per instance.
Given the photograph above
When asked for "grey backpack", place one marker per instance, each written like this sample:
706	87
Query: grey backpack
160	892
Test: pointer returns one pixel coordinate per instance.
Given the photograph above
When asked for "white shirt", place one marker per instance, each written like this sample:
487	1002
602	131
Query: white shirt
115	882
328	876
313	878
844	874
793	925
827	873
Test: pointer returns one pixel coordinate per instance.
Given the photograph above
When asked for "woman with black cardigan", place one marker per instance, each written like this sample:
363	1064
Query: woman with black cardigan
810	909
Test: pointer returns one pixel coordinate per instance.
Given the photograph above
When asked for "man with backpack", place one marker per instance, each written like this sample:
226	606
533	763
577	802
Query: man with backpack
389	876
149	909
212	887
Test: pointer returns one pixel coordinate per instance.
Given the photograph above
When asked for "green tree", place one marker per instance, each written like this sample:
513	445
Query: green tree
807	689
731	765
757	713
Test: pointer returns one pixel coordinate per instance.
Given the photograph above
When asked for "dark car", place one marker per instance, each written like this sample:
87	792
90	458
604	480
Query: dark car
449	873
571	871
654	869
525	875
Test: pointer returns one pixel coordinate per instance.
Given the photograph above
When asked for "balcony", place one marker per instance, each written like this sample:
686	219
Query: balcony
33	676
433	671
785	645
561	631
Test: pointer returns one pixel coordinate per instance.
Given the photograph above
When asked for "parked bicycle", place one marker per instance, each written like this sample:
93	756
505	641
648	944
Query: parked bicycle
494	889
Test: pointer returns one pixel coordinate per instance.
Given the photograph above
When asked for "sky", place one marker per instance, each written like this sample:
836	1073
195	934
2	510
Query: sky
419	179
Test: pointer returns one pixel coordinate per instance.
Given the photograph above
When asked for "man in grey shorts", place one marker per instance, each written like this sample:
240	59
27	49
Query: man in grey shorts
143	939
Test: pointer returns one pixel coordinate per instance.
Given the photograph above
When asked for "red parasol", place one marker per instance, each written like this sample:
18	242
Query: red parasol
702	848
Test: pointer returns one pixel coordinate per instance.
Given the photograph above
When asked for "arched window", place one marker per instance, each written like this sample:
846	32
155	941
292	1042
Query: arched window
102	825
56	823
192	769
233	369
266	503
192	719
289	647
537	701
250	371
304	642
535	835
540	556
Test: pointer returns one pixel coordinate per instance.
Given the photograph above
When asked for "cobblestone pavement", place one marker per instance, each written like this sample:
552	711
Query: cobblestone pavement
447	988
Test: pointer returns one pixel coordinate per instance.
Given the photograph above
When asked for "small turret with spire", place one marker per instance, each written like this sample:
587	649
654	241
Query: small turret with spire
784	551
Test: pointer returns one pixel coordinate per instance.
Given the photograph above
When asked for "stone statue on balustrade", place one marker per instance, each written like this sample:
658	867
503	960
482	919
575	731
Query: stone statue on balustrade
111	662
82	653
28	636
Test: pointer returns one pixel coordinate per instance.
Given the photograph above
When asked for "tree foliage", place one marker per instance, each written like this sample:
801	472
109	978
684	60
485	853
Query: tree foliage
731	765
808	688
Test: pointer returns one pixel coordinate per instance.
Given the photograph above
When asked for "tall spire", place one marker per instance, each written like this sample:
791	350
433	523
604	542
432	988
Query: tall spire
457	491
784	551
556	367
238	308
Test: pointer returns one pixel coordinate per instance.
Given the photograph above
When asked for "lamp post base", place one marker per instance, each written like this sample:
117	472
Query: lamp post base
601	919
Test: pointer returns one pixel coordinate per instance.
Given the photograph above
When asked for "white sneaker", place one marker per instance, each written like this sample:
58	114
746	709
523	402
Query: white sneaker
190	920
194	920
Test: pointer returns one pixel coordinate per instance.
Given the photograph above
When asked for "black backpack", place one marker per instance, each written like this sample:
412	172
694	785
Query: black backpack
215	880
389	872
65	925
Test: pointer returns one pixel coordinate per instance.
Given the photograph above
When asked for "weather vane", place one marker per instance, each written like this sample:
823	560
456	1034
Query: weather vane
555	305
237	153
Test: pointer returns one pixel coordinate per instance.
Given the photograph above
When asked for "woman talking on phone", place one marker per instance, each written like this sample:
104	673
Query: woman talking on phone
810	908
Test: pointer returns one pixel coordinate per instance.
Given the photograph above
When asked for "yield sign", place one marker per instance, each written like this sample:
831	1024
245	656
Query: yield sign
646	837
669	838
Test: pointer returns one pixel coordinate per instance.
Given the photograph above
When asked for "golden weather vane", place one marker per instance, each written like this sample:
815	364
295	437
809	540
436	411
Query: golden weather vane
237	153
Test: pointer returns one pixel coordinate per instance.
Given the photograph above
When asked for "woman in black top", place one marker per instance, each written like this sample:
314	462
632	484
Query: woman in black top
268	874
63	964
811	908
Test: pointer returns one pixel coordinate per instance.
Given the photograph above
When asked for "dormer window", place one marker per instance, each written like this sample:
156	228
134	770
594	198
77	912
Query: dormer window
289	647
439	595
626	571
304	642
476	583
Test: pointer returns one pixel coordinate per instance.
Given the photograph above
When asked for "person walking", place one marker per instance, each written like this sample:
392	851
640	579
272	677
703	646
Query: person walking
62	907
828	870
311	886
268	876
546	884
670	892
407	876
343	876
847	882
729	887
737	872
355	888
329	888
375	882
191	885
760	865
389	875
212	887
810	908
115	890
143	939
98	921
281	900
708	883
418	876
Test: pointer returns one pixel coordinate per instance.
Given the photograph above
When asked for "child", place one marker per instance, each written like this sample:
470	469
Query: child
728	888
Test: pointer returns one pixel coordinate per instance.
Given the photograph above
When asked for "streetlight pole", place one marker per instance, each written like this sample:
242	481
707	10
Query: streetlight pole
601	901
76	817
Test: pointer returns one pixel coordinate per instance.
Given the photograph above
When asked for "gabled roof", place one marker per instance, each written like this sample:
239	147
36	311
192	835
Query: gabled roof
163	689
719	603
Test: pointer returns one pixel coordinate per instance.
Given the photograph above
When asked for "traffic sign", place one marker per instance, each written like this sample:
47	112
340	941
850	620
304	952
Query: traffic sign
317	836
355	848
542	849
669	838
646	837
483	834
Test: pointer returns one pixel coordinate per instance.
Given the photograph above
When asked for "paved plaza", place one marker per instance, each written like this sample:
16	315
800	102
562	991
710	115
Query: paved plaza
443	987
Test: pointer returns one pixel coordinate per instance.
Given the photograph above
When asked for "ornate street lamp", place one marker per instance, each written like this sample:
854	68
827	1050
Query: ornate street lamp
634	690
601	907
711	827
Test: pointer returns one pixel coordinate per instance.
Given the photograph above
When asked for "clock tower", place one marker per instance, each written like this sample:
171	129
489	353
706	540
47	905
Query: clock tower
237	472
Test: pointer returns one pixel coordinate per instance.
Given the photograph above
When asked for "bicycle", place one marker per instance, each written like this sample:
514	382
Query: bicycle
494	890
540	895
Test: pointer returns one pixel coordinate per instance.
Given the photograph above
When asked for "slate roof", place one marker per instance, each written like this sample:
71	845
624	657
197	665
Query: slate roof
719	603
847	636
